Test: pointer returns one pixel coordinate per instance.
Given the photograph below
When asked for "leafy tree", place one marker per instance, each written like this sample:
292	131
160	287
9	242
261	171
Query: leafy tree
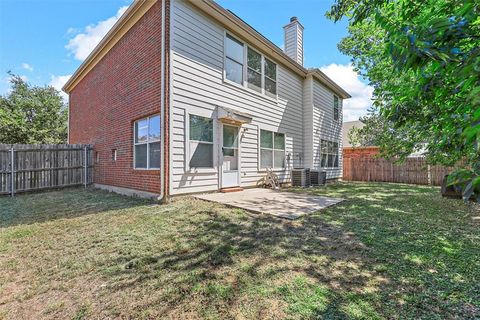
379	131
31	114
423	59
370	134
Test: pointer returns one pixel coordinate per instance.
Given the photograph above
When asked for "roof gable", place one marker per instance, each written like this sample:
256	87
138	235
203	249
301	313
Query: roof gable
225	17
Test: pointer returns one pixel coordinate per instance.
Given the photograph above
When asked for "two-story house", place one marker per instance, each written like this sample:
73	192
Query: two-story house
183	96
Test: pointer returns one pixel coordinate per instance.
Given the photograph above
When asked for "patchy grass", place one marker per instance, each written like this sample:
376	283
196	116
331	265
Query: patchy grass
389	251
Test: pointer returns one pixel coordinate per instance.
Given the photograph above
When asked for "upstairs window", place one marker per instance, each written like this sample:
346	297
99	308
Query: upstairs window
254	70
272	150
147	143
234	60
336	108
201	142
241	62
329	154
270	78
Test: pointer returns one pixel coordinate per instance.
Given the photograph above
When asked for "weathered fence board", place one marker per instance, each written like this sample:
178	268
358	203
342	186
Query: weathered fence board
37	167
413	171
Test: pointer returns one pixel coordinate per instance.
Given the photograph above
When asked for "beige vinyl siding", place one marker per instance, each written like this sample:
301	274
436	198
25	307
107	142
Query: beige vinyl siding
300	47
308	122
293	37
290	42
198	88
324	127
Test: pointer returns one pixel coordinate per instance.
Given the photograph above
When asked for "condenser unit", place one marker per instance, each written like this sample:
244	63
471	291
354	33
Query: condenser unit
301	177
318	178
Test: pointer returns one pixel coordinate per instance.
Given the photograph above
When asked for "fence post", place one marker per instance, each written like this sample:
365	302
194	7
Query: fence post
429	175
85	166
12	171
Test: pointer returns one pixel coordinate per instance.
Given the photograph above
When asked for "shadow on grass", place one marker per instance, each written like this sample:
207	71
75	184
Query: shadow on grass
374	256
388	251
25	209
227	258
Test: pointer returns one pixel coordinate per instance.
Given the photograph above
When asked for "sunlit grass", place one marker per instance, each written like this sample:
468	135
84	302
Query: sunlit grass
388	251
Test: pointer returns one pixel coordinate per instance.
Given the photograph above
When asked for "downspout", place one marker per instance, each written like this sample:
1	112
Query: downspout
162	102
68	120
165	57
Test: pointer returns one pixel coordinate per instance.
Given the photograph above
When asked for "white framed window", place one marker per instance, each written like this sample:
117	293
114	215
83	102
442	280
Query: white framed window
272	150
270	78
329	154
248	68
234	59
254	70
336	108
147	143
200	142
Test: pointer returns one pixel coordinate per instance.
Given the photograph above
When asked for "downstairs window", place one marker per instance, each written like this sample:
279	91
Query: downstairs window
272	150
200	142
147	143
329	154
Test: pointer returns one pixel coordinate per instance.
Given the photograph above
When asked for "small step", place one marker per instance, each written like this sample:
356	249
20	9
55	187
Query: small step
233	189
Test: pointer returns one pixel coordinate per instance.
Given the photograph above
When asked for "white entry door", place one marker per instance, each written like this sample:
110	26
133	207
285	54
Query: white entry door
230	157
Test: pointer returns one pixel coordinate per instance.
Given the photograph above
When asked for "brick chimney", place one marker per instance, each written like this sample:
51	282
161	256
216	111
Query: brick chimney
294	40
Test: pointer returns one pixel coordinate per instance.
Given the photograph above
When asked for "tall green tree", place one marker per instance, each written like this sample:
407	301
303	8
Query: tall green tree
31	114
377	131
423	59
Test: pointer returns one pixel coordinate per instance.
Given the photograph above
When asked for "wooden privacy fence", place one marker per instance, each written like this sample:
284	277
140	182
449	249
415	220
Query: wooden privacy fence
413	171
35	167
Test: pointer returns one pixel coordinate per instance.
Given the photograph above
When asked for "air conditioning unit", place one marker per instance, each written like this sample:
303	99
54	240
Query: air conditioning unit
301	177
314	177
318	178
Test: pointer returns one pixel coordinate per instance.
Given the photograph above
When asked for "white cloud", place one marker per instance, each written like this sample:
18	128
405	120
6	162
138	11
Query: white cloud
348	79
26	66
58	82
83	43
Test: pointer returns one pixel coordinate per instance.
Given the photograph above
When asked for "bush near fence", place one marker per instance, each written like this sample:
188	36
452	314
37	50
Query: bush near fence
45	166
413	171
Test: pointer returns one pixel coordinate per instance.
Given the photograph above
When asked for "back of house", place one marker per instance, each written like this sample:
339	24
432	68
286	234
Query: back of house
184	96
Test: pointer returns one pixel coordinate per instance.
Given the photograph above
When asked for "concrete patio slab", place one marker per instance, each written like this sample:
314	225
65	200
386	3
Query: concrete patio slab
281	204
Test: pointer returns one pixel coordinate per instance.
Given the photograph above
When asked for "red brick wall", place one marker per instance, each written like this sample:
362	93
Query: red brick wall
123	87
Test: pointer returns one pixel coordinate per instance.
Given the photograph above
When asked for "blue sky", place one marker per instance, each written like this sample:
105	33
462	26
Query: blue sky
46	40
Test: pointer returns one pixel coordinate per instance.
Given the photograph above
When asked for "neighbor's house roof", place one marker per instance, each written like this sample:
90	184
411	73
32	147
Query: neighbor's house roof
226	18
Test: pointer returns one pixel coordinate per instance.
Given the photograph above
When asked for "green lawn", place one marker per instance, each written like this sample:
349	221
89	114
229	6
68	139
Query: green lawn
389	251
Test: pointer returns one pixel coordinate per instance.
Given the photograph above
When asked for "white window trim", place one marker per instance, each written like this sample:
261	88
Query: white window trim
244	84
147	143
328	153
213	169
267	93
263	169
225	59
261	71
